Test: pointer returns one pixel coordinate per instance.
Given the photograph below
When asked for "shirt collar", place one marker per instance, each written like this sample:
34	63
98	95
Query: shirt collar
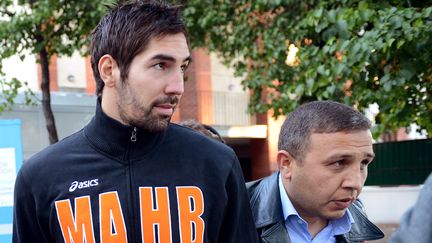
287	207
340	226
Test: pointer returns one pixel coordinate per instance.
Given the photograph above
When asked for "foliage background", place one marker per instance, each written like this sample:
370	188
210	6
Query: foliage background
352	51
43	28
358	52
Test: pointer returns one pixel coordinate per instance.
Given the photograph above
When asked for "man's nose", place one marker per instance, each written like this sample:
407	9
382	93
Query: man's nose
175	84
355	178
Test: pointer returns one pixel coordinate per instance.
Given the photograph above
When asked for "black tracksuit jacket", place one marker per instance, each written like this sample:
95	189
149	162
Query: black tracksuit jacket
99	186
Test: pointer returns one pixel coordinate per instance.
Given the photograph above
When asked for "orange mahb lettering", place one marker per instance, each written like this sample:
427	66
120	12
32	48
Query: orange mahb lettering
155	214
111	219
191	207
80	228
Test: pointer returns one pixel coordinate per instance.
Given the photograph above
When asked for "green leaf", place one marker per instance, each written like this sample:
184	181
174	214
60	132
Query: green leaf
310	83
331	16
396	22
299	90
318	13
344	45
406	74
427	12
321	70
363	5
400	43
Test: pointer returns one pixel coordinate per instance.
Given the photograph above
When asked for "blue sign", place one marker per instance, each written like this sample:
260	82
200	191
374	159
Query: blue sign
10	162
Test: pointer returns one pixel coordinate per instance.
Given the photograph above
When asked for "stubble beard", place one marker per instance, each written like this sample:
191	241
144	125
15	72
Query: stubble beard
140	115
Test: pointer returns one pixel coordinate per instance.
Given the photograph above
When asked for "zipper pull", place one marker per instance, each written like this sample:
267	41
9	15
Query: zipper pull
134	133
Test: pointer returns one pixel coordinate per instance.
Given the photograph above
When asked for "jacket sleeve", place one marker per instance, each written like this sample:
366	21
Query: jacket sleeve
416	223
25	222
238	225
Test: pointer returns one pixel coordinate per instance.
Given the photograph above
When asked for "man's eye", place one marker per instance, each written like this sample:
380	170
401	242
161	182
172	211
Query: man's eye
159	66
364	164
183	68
338	163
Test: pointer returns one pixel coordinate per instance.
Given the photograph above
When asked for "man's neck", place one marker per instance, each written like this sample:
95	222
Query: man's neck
109	107
315	225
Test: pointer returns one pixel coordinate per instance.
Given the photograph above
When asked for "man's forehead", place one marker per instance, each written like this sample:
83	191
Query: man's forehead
345	135
169	48
173	48
357	139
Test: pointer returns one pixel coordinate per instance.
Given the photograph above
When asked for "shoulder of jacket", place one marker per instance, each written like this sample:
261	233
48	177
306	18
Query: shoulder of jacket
53	151
252	186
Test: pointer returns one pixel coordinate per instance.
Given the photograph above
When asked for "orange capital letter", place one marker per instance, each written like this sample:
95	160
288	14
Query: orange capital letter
111	219
191	206
80	228
155	215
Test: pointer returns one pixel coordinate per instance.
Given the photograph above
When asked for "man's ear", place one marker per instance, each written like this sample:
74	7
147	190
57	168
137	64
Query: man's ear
285	162
108	70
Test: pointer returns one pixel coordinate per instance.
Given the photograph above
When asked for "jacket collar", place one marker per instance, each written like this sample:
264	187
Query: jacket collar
113	138
265	202
267	210
362	229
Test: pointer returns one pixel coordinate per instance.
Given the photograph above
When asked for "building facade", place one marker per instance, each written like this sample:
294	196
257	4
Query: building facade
213	96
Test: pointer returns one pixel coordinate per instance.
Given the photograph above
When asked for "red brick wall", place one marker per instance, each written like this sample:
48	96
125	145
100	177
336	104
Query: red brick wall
91	83
260	152
196	102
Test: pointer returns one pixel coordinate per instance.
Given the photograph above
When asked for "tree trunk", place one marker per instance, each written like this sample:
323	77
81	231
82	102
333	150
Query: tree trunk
46	97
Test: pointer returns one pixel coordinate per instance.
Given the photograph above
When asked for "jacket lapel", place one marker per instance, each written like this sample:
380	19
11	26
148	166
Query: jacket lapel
362	229
276	233
267	210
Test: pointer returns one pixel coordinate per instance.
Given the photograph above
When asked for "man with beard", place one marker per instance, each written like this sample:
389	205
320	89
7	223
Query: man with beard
130	175
324	150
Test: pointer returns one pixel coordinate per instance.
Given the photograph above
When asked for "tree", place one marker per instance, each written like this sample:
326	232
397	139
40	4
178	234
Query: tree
44	28
358	52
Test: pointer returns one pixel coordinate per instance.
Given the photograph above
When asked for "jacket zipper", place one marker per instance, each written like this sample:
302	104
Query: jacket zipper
134	135
133	231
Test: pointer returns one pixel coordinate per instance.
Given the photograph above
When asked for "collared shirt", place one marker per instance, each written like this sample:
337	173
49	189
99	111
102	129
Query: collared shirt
298	228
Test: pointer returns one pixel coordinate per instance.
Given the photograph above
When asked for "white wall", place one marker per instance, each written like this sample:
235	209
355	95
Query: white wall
223	77
388	204
25	71
71	71
230	101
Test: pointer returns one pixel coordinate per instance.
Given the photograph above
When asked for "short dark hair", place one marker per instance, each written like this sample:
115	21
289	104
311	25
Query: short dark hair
203	129
128	28
318	117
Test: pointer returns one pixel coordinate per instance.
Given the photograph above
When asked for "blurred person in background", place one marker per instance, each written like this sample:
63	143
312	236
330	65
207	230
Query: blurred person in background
416	224
203	129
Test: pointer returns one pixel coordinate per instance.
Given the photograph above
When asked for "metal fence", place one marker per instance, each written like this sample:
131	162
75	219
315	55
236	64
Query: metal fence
227	108
230	108
401	163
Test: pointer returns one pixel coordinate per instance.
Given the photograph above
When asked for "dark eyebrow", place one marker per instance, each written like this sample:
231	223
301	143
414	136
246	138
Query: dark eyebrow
169	58
370	155
346	156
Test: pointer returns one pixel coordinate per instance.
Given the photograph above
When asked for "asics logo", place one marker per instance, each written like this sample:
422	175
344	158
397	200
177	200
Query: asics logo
83	184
